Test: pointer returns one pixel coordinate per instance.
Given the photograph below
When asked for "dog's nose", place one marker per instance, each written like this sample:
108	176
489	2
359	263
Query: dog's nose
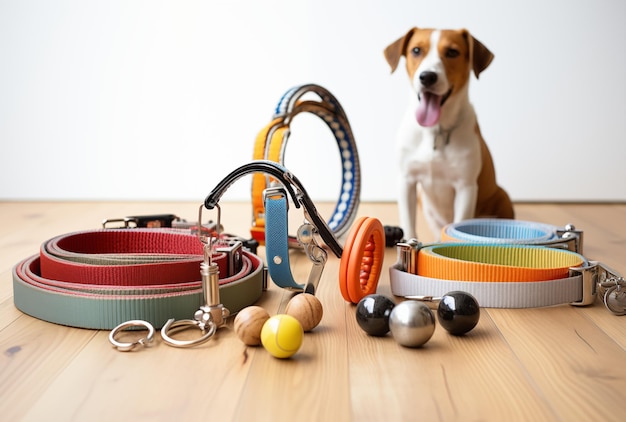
428	78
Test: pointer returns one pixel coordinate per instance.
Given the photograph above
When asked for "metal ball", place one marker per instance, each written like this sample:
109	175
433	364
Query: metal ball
372	314
458	312
412	323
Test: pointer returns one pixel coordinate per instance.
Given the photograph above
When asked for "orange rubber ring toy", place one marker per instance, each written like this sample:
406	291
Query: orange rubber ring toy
362	259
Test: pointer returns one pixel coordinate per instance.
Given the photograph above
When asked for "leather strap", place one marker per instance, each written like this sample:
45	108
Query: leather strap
271	145
99	279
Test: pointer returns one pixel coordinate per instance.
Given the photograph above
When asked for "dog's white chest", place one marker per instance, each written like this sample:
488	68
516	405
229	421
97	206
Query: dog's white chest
428	154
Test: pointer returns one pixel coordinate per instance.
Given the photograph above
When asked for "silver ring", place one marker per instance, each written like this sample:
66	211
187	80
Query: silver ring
126	347
172	327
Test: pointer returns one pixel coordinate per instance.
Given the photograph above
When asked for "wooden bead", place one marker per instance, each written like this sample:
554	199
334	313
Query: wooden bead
307	309
248	324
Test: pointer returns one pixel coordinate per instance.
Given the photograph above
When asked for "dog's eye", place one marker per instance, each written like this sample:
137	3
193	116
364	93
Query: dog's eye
416	51
452	53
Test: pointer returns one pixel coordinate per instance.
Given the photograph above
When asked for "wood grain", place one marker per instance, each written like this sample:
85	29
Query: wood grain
555	363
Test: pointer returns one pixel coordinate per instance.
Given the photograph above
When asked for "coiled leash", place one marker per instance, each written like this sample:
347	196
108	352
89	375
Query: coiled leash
271	145
508	264
102	278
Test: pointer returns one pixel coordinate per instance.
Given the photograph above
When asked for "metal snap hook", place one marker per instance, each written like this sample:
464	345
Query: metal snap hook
210	316
172	327
126	346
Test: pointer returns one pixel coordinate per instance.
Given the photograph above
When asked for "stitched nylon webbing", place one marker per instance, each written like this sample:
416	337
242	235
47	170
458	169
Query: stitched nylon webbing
491	263
86	292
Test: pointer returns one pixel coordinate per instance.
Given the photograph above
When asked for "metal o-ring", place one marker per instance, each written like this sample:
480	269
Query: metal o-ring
611	302
126	347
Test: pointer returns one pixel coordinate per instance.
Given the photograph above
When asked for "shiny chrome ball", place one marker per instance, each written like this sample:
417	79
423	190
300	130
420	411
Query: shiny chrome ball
411	323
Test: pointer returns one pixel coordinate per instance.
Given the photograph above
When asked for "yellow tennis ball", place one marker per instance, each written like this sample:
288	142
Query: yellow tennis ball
282	336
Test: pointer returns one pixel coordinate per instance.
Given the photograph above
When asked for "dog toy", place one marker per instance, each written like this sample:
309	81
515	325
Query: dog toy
282	336
304	307
248	324
372	314
458	312
307	309
411	323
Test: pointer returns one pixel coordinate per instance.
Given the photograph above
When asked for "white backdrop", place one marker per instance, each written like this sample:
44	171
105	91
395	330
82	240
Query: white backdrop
161	99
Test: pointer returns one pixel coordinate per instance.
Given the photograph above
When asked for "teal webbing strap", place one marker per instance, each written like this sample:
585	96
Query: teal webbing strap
276	242
101	308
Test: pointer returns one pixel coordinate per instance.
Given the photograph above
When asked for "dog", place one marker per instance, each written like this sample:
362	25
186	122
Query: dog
441	150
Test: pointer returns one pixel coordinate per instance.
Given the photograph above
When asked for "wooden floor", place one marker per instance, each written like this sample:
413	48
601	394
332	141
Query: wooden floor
559	363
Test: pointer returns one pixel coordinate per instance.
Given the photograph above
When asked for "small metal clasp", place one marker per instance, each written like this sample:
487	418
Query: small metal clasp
612	288
317	255
127	346
600	279
210	316
569	238
407	255
145	221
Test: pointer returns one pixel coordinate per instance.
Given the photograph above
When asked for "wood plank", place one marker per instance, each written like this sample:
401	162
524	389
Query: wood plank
314	381
556	363
449	378
571	362
34	354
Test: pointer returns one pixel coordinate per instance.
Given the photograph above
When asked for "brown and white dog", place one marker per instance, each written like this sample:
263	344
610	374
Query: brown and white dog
441	149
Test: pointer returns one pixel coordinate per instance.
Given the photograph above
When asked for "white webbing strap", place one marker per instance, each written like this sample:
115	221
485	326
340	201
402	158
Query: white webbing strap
491	294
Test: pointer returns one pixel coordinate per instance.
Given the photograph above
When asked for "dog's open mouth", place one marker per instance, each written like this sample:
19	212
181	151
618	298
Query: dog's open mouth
429	108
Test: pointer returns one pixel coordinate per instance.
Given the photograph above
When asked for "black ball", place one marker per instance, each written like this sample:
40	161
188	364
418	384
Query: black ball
458	312
393	235
372	314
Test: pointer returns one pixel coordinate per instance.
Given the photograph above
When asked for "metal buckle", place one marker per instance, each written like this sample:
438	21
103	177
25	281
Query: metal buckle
570	239
599	279
233	249
151	221
589	273
275	192
407	255
407	262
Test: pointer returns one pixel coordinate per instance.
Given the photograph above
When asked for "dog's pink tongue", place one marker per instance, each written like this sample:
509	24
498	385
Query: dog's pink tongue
428	110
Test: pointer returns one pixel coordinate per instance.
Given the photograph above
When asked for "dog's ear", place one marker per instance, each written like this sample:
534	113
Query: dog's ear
480	55
396	49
